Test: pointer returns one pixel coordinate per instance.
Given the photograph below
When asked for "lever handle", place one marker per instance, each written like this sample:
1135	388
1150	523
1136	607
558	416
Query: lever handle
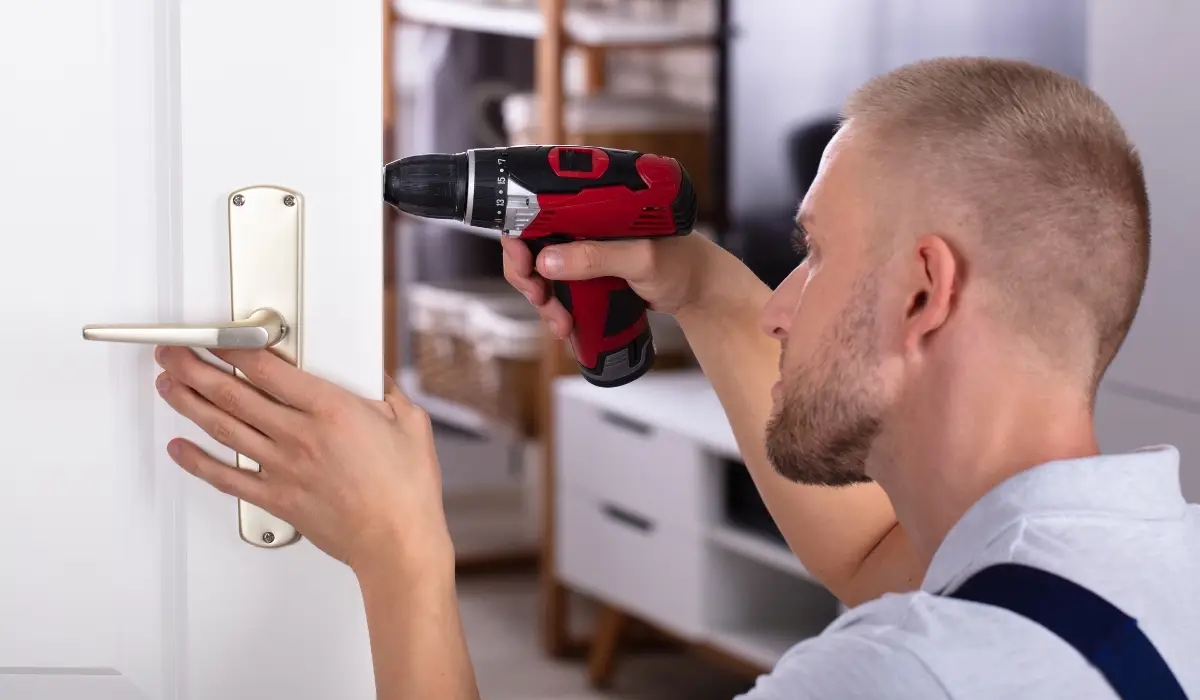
266	232
262	329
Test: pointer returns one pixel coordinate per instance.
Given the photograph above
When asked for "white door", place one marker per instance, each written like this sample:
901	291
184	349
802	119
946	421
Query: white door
125	128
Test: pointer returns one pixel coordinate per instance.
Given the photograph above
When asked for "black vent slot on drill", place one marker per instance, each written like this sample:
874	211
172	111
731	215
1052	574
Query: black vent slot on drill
653	220
685	206
625	308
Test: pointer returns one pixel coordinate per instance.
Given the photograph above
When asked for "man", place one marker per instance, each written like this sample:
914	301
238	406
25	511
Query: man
977	244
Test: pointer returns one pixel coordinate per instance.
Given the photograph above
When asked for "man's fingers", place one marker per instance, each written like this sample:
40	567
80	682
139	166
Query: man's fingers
583	260
518	271
239	483
517	255
277	376
394	397
223	427
556	316
225	391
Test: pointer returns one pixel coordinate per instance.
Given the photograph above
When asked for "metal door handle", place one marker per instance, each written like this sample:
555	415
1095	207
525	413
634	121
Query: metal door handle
265	246
262	329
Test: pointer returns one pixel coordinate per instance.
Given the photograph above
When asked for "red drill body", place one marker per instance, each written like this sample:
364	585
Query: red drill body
548	195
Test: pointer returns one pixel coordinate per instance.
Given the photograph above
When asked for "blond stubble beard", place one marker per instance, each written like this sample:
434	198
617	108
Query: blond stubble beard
830	414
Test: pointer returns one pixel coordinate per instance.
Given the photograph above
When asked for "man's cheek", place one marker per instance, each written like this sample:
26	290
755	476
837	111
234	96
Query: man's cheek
797	356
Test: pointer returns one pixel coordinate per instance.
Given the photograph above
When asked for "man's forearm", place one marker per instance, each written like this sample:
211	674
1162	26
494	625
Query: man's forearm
417	641
847	537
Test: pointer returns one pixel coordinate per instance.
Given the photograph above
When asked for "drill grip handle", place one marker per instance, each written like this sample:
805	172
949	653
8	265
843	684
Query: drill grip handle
611	339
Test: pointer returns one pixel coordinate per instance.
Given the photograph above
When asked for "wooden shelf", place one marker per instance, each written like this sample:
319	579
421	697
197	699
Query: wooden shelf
443	410
453	225
583	28
701	229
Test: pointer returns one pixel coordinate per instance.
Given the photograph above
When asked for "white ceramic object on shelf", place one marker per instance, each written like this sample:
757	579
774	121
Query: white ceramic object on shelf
608	112
509	331
596	27
443	306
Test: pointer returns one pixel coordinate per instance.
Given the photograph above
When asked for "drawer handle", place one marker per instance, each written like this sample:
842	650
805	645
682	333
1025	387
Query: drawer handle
454	431
628	519
628	424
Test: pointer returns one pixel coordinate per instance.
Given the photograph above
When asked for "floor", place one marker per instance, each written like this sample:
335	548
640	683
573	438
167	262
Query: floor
500	616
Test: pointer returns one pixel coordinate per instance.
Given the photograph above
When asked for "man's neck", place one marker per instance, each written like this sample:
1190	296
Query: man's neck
957	445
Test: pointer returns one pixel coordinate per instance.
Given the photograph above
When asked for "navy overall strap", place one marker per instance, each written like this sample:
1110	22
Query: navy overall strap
1109	639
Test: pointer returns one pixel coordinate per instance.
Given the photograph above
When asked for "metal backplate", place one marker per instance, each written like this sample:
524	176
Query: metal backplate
265	244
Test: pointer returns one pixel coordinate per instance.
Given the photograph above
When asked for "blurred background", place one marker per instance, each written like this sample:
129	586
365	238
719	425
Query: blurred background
610	542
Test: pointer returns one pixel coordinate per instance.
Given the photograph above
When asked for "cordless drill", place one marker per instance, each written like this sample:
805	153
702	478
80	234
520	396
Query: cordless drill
548	195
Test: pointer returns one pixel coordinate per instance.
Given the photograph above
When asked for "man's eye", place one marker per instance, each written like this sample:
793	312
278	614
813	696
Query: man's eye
800	242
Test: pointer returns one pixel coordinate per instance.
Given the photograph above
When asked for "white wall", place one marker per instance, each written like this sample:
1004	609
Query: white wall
1143	59
795	60
790	61
1051	33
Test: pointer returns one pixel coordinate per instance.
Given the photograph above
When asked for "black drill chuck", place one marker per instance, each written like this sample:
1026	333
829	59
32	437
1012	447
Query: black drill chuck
431	185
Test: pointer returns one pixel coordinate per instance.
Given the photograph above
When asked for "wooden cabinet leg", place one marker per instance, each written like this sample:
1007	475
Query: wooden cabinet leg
556	637
603	652
548	84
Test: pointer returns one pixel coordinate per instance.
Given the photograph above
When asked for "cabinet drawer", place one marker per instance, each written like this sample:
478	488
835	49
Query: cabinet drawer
630	463
636	563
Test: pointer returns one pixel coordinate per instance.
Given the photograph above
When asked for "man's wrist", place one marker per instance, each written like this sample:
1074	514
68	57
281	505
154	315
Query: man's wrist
386	578
410	557
724	287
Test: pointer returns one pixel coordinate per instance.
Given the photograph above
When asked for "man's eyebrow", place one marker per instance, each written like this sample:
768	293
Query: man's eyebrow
804	220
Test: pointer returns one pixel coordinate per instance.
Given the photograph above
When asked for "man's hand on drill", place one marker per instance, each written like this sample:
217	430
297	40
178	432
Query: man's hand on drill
670	274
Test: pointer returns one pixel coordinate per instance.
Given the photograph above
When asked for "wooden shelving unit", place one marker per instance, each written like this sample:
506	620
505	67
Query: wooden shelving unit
578	27
555	28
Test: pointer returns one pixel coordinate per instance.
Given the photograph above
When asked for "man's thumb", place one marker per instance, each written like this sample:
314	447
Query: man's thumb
582	260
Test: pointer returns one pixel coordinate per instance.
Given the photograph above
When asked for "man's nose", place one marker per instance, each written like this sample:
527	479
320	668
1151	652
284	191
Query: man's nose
777	315
781	306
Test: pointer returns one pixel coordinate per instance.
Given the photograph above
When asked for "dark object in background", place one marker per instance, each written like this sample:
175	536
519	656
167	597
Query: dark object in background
805	147
764	241
743	507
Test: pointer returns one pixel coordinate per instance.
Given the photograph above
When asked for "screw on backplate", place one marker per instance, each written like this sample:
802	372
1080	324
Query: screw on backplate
268	537
289	201
238	200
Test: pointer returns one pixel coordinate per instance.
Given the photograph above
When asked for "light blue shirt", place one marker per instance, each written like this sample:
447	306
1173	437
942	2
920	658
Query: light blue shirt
1116	524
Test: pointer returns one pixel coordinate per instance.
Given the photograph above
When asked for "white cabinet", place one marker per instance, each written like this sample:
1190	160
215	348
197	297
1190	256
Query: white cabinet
643	565
631	462
641	522
1141	59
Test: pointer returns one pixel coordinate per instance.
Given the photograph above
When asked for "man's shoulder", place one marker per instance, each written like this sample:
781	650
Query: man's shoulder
921	645
863	654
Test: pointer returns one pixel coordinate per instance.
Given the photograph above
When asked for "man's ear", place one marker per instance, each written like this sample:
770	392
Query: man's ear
935	269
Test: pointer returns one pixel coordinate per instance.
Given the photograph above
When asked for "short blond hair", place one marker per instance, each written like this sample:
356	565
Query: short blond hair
1037	165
